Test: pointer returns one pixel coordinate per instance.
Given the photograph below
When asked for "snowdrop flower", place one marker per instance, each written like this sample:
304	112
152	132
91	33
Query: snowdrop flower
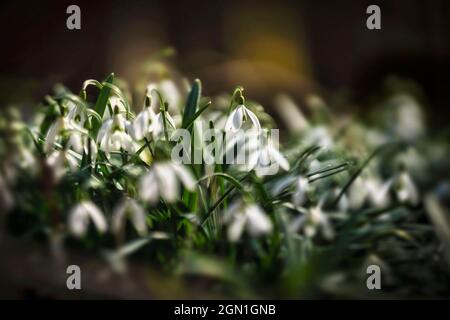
117	106
408	123
357	193
378	192
266	160
163	181
291	114
157	126
80	215
313	220
169	91
75	142
59	160
76	113
319	136
301	184
405	189
90	147
57	128
343	203
129	208
142	123
113	136
238	117
370	189
249	216
299	195
82	143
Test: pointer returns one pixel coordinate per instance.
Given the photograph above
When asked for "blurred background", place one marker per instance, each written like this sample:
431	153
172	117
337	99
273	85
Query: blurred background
294	47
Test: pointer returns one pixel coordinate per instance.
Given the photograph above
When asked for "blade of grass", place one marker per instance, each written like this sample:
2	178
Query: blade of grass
102	100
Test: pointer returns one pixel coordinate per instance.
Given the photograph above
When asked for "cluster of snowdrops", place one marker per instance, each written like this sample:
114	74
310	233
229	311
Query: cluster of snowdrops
94	165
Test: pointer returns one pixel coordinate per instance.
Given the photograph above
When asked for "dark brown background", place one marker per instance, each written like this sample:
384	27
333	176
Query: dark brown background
271	46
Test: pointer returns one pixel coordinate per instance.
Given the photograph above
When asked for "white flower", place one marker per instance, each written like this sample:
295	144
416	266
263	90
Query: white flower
242	215
408	122
157	126
291	114
406	190
357	193
266	160
163	181
82	143
301	186
142	123
238	117
117	106
59	160
343	203
75	142
90	147
311	221
169	91
129	208
59	126
378	192
319	136
76	113
113	136
80	215
370	189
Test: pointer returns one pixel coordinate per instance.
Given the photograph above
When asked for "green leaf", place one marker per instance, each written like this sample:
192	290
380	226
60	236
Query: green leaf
197	114
102	100
192	103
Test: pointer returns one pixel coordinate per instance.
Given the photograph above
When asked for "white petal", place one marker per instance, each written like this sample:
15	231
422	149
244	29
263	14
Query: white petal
357	194
253	160
157	127
138	218
379	194
148	189
96	216
411	189
299	197
75	142
185	176
236	228
140	125
52	135
279	158
104	129
78	220
234	209
73	162
94	150
282	184
234	121
171	93
167	182
258	222
253	118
